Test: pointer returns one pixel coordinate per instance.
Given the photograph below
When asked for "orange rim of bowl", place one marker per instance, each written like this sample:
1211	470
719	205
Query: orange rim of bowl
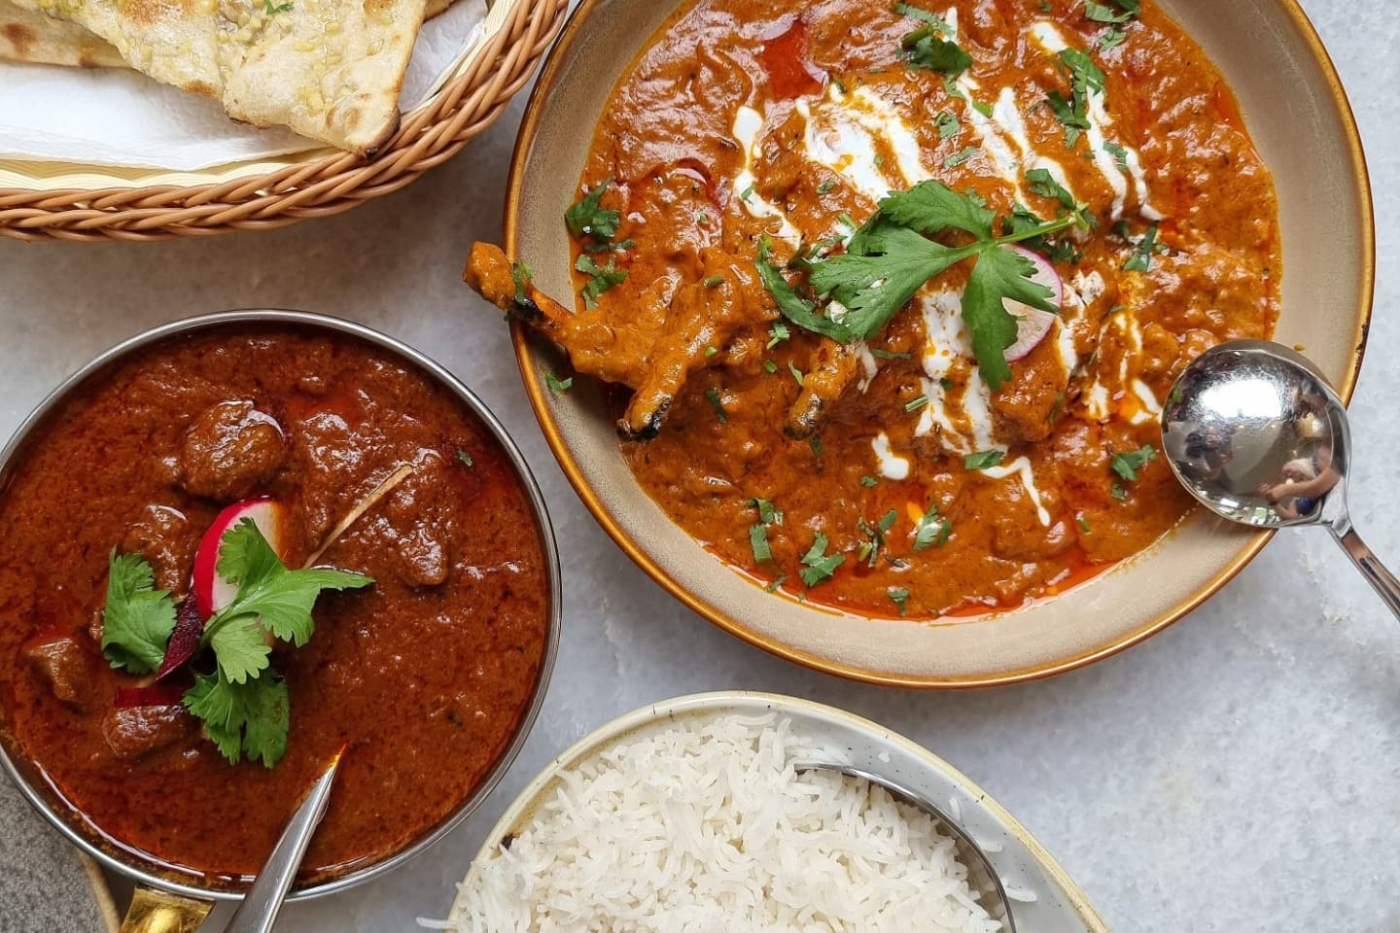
569	464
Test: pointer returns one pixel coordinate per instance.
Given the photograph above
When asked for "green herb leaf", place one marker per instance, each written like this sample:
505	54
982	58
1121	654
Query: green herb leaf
826	187
1085	77
1127	465
601	278
983	460
589	218
1120	155
758	541
961	156
948	125
924	16
1000	274
520	273
1143	251
1111	39
869	482
770	367
915	404
714	281
900	596
1118	492
932	529
556	385
880	354
279	598
773	587
767	513
137	619
273	10
1102	13
1045	185
792	306
817	566
815	443
777	333
252	717
718	404
465	458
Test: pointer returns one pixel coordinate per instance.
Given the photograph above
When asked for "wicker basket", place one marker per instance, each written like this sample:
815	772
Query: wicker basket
324	183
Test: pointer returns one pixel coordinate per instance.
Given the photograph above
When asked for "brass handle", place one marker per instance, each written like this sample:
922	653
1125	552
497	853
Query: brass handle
158	912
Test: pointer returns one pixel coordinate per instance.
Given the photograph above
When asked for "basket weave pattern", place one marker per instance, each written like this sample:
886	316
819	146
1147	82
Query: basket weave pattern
466	106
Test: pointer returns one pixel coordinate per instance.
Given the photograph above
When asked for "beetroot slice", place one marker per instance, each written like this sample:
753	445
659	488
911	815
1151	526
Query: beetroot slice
184	641
155	695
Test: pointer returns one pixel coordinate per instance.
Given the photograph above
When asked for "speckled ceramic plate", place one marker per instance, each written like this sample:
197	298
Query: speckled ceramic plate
1048	901
46	885
1301	122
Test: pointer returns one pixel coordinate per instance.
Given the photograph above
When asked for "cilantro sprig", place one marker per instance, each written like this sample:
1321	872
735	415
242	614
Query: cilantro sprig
891	257
588	218
1085	78
243	702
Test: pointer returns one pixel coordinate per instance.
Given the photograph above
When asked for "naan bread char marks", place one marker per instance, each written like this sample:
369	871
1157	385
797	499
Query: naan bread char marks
31	36
329	69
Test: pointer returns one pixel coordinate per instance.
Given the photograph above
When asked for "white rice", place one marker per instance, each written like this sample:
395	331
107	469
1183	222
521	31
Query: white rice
706	828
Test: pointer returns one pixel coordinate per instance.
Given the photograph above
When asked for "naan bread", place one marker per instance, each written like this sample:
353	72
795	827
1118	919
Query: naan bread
27	36
329	69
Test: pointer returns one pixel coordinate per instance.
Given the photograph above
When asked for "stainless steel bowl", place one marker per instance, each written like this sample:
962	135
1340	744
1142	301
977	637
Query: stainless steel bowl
131	865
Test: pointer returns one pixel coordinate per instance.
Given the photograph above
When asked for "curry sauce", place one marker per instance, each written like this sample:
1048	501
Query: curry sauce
422	678
743	123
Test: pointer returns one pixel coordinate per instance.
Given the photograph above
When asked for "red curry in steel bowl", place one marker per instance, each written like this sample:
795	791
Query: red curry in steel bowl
239	545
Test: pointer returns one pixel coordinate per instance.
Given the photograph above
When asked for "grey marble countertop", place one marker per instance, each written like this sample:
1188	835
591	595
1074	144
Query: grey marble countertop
1240	771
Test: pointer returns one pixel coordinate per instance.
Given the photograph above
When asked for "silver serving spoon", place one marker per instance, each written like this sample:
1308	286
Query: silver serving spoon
982	877
264	900
1257	434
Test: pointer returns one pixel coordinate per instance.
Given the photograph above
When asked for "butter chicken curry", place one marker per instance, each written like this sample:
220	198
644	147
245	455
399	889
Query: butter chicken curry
898	292
162	672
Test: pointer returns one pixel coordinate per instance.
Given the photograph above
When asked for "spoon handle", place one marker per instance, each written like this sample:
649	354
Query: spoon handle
1371	568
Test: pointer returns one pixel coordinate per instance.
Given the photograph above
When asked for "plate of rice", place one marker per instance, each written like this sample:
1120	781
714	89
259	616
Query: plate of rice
688	816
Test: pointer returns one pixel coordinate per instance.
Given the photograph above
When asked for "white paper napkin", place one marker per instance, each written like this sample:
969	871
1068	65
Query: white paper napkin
112	116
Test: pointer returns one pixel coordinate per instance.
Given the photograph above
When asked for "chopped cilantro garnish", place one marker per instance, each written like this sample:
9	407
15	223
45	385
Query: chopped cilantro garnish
900	596
711	351
1045	185
1083	524
797	309
520	273
1085	77
601	278
1127	465
817	566
777	333
465	458
1118	492
773	587
869	482
796	373
816	444
589	218
1102	13
826	187
915	404
718	404
1143	250
746	194
983	460
767	512
948	125
870	550
923	16
770	367
1120	155
924	48
961	156
702	218
273	10
556	385
1111	39
932	529
714	281
758	541
880	354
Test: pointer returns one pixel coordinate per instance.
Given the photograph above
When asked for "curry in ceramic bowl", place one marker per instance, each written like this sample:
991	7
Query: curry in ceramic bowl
240	546
884	304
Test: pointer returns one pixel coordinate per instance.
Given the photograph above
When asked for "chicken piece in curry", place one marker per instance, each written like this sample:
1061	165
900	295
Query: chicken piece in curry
899	292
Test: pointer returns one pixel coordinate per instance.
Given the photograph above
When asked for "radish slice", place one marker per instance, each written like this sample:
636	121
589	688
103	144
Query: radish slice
1034	325
211	591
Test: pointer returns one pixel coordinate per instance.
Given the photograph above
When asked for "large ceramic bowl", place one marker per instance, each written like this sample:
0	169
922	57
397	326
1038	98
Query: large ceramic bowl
1301	122
1044	898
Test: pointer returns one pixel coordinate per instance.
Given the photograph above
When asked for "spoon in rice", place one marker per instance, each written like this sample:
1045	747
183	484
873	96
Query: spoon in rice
982	877
1257	434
